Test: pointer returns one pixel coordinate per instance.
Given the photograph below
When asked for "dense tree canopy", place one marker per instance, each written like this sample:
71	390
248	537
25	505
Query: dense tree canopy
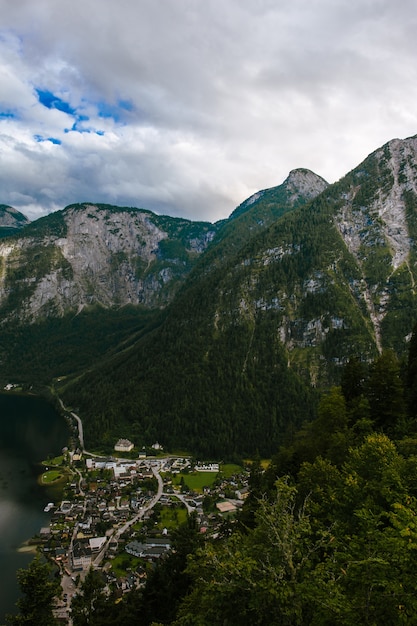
328	534
38	592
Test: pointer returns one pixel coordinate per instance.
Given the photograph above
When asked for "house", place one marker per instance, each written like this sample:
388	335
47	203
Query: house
226	507
242	493
151	549
81	555
66	506
208	467
124	445
96	543
135	548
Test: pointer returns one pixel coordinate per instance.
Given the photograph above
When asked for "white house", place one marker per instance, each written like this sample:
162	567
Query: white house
124	445
208	467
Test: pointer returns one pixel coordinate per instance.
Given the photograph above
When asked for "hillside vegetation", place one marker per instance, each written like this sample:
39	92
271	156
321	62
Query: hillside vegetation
267	318
326	536
214	338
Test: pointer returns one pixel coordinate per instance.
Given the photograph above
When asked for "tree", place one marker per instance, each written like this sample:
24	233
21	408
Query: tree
88	608
39	590
412	376
273	575
353	377
385	391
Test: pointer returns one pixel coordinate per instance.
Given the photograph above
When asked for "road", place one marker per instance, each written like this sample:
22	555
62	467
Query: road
80	430
150	505
79	423
119	532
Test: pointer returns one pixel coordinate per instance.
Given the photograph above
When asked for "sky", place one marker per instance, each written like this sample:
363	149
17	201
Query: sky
188	107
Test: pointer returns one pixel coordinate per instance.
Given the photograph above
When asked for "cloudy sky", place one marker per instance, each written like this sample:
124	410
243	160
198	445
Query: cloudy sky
187	107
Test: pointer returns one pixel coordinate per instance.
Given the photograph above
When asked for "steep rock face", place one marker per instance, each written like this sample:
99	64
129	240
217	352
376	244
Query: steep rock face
304	184
97	254
380	234
11	218
337	277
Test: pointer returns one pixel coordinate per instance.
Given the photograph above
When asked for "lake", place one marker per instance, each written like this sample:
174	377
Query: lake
30	431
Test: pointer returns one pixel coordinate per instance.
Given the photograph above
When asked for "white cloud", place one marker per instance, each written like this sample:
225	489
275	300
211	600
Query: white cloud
198	104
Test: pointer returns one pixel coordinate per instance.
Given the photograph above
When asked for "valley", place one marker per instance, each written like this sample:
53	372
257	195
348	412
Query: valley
285	332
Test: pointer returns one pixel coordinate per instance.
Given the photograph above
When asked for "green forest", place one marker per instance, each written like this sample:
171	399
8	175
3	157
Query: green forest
328	534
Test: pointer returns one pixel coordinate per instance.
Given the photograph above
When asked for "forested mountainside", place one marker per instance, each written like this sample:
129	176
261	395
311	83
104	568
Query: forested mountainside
327	534
79	282
184	379
234	365
218	337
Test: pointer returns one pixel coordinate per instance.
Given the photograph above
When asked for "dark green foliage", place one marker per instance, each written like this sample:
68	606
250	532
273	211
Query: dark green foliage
61	346
332	543
8	231
401	315
52	225
236	397
39	590
88	606
335	547
169	583
352	379
411	381
385	391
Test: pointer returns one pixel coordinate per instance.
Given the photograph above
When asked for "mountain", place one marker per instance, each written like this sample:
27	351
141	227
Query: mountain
215	337
96	254
260	211
181	368
263	321
11	220
79	282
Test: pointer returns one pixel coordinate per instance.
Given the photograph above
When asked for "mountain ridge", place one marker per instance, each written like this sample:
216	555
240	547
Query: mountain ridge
259	328
98	254
256	312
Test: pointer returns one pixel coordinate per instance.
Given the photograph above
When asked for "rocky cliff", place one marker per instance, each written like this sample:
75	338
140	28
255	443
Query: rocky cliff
89	254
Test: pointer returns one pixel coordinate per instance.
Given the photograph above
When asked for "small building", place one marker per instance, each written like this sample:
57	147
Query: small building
207	467
242	493
96	543
150	549
226	507
81	555
124	445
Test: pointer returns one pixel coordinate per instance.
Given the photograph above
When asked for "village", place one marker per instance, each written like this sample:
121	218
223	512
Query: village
117	513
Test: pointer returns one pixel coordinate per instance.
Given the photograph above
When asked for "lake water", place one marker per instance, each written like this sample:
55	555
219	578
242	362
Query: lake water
30	431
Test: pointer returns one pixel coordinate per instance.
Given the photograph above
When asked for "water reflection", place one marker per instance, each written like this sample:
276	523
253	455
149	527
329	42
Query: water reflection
30	430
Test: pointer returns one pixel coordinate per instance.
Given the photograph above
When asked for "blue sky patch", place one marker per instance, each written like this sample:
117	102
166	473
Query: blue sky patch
53	140
50	101
114	111
7	115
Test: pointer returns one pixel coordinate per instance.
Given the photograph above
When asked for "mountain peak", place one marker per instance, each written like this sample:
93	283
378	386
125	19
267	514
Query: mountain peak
11	218
304	182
